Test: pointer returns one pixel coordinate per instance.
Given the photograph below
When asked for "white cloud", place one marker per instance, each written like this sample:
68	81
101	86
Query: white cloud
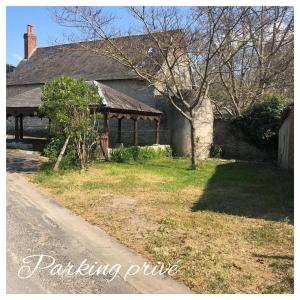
17	57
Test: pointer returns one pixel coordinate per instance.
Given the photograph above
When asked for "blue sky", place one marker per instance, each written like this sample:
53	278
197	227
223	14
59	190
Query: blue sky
47	31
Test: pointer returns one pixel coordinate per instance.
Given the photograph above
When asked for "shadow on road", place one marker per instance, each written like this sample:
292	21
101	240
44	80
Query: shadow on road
21	161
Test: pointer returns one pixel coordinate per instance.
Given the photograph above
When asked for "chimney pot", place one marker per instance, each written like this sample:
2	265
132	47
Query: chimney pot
29	28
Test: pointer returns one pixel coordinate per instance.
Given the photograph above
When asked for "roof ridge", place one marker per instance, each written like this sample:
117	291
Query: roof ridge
115	38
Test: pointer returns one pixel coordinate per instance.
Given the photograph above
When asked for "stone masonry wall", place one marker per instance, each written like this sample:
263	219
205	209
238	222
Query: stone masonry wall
233	143
180	131
33	126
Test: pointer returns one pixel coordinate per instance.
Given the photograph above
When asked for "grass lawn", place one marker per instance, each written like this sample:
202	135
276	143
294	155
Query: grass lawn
229	225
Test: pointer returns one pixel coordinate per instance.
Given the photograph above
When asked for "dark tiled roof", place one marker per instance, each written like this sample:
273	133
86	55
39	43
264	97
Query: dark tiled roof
50	62
117	100
79	60
31	98
112	99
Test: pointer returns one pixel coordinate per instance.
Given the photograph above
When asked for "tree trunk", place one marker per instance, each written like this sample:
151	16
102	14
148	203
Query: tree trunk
193	146
80	153
62	151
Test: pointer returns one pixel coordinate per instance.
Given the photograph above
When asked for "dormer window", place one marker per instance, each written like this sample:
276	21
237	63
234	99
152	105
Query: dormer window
151	51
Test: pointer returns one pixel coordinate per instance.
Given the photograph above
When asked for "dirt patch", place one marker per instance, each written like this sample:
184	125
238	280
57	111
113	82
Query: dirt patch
122	202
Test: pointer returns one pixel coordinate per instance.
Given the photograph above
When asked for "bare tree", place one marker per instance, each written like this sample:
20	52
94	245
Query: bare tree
178	56
263	63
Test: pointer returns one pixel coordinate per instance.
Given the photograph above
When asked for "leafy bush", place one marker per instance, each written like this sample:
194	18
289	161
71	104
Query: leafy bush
66	101
216	151
53	148
260	123
136	153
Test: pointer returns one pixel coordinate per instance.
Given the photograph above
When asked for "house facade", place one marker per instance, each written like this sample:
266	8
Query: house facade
42	64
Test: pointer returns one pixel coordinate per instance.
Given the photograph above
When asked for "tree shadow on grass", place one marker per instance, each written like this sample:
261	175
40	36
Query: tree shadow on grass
255	190
287	257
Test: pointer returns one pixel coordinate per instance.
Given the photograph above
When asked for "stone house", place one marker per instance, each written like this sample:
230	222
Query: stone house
42	64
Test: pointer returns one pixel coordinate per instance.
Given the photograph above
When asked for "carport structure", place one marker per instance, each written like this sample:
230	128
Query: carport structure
114	105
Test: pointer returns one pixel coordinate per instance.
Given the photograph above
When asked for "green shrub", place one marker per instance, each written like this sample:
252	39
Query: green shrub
216	151
66	101
136	153
53	149
260	123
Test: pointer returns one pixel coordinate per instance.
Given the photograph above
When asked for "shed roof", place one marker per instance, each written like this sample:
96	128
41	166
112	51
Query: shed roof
117	100
31	98
112	99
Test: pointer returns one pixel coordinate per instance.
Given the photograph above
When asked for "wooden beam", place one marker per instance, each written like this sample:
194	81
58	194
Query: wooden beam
105	122
17	135
106	129
157	125
119	131
135	131
21	127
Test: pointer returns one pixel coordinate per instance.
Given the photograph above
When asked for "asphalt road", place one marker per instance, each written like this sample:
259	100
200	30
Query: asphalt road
37	224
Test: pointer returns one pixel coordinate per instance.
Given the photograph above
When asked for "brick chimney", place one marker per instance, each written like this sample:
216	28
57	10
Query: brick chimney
29	42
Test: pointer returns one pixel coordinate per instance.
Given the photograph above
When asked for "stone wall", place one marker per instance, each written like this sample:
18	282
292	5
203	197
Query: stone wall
33	126
234	144
180	131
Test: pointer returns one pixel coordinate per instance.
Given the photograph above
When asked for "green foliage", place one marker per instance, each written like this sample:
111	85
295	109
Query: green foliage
168	221
264	235
260	123
67	101
53	148
63	97
216	151
136	153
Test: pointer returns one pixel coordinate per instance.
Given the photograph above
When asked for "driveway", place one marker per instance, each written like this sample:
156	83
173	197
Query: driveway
38	225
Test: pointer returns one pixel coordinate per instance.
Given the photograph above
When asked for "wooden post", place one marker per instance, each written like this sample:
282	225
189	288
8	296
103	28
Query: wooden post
21	127
157	123
119	131
105	125
17	136
104	139
49	124
135	132
105	122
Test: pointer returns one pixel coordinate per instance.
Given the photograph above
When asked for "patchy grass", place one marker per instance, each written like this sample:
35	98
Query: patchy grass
229	225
